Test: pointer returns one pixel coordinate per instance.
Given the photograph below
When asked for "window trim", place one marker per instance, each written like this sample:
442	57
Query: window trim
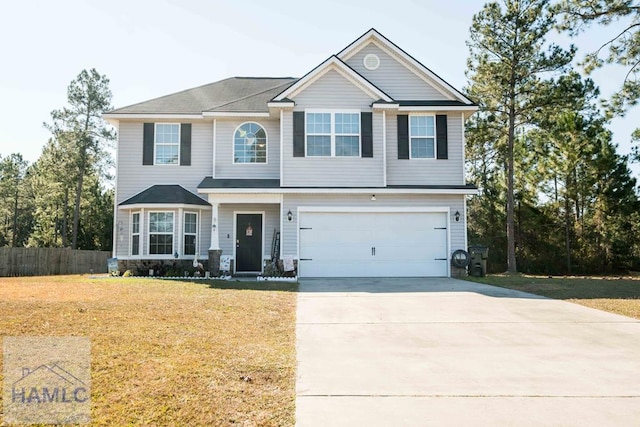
233	143
172	234
132	234
435	137
184	234
155	143
332	112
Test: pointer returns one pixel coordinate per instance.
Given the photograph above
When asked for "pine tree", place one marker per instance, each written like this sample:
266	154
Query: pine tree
505	67
81	124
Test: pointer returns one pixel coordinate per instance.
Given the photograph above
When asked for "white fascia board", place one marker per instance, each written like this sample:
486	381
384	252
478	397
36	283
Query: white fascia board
439	108
281	104
385	106
162	207
335	64
234	114
465	191
152	116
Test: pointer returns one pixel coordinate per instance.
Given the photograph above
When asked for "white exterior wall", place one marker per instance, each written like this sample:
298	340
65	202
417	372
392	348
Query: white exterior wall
426	171
133	177
293	201
225	168
394	78
332	92
123	232
271	221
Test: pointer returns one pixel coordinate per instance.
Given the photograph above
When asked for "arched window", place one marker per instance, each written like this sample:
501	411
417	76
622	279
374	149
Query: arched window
250	144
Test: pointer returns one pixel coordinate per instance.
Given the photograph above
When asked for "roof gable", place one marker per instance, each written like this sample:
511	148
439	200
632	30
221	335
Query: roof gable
336	64
381	42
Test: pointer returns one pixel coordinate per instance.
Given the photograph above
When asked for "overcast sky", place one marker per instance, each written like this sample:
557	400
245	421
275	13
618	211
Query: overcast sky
152	48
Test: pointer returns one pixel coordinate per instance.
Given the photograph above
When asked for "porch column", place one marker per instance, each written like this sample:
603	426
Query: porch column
214	247
215	237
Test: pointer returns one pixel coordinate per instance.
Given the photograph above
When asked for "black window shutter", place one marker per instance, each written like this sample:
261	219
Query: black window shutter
185	144
367	134
147	144
441	136
298	134
403	136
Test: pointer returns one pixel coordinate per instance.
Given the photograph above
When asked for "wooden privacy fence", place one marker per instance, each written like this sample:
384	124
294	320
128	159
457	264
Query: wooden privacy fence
51	261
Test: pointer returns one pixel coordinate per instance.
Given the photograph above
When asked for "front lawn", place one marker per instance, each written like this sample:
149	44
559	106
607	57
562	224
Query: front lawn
615	294
167	352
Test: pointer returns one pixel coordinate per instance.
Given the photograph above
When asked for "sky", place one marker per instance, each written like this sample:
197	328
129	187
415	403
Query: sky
152	48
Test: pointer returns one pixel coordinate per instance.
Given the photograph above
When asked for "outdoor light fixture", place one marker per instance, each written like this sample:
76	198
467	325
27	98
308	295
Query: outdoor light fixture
457	216
289	216
373	197
176	255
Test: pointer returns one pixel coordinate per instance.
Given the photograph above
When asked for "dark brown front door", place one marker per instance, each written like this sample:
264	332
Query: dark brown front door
248	243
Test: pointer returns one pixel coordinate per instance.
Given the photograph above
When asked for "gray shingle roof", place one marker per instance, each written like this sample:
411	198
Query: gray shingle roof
235	94
166	194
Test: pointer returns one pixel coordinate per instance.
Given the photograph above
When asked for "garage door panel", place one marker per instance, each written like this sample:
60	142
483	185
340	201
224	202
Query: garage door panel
369	244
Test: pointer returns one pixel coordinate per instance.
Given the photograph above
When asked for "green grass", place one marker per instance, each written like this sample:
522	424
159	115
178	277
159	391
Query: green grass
169	352
619	295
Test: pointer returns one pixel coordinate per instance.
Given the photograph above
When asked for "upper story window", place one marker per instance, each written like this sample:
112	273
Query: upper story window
160	233
250	144
167	143
333	134
422	136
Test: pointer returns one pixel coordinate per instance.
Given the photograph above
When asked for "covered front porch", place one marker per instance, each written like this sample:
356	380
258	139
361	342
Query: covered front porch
245	228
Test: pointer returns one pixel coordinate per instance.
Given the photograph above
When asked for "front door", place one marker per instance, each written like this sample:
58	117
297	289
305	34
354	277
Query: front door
248	243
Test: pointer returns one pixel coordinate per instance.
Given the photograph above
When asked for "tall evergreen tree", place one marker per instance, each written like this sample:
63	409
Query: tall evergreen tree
507	59
623	49
81	123
16	201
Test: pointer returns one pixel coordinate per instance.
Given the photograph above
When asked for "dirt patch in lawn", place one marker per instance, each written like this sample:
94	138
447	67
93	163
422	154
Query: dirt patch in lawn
166	352
620	294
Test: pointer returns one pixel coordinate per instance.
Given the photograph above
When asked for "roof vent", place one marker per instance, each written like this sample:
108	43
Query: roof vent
371	62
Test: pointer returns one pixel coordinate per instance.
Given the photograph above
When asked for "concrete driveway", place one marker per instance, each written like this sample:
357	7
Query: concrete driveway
395	352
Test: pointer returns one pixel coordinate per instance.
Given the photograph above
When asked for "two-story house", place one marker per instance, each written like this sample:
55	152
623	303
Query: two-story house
358	166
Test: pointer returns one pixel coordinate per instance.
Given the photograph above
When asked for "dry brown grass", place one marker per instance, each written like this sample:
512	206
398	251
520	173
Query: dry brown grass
168	353
619	295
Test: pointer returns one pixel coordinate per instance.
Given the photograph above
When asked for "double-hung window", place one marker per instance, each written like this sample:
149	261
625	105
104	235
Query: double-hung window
167	144
135	233
422	137
160	233
190	233
333	134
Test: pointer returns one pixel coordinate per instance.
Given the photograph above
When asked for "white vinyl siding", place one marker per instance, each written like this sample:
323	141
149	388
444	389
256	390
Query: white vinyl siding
130	179
436	172
225	165
333	91
394	78
225	224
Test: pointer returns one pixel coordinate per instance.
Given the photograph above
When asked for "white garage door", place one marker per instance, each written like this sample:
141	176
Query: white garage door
373	244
